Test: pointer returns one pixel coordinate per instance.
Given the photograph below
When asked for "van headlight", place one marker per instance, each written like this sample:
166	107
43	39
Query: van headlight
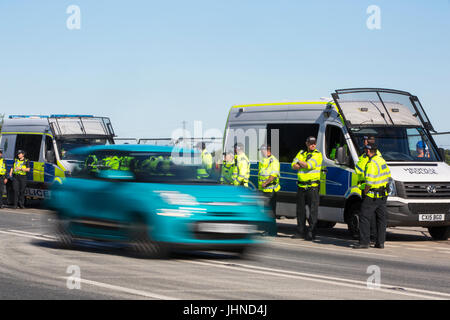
392	191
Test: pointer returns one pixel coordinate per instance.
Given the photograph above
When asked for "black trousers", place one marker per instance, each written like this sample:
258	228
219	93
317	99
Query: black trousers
307	197
3	189
19	184
272	202
372	208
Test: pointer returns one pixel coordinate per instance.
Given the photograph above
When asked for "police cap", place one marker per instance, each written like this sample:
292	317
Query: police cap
372	146
239	146
311	140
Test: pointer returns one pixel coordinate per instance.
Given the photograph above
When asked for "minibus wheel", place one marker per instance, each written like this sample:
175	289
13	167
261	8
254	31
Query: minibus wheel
352	220
439	233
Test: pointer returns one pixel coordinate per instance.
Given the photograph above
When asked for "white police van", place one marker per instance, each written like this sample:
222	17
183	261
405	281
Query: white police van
46	140
420	186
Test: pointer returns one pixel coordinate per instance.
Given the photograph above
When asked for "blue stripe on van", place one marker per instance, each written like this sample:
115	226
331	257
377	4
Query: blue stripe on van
337	181
49	172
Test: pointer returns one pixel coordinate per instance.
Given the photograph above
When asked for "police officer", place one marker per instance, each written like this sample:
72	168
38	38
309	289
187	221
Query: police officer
422	150
228	170
207	161
359	169
242	172
19	172
269	176
308	163
376	175
3	178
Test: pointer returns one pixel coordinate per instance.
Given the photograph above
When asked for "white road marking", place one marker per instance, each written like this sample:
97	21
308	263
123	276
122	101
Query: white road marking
32	233
126	290
321	247
24	235
424	294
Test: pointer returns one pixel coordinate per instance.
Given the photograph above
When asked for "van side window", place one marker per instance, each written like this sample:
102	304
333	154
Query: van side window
31	144
49	147
292	138
334	138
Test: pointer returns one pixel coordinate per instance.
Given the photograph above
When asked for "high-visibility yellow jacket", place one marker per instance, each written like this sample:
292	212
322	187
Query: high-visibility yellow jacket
310	176
205	170
91	163
242	174
376	175
18	164
228	173
2	167
269	166
112	162
361	166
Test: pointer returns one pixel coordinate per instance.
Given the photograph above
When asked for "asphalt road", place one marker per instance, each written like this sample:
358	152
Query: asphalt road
412	266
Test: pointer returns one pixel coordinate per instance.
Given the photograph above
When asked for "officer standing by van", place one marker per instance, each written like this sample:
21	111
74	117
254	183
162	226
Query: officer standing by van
359	169
228	170
3	178
19	172
269	176
242	172
376	175
207	161
309	164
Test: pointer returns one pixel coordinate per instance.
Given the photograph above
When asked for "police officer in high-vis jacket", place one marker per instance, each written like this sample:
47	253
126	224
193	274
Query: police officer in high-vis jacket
269	176
228	170
242	172
3	179
207	161
376	177
359	169
19	172
309	164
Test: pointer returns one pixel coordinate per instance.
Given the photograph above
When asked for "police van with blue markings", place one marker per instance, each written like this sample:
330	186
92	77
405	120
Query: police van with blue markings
420	185
46	141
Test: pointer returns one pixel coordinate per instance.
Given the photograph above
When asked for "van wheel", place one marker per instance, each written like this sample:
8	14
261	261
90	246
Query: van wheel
325	224
143	247
352	220
439	233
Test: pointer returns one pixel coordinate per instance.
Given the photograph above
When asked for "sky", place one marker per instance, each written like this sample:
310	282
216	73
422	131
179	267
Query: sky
149	65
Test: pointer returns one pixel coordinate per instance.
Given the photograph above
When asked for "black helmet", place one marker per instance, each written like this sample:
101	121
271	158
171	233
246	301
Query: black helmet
20	151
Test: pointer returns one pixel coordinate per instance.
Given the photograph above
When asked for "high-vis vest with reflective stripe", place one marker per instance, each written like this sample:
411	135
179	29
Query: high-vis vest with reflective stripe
243	170
228	173
309	177
361	166
18	164
91	163
125	163
269	166
377	176
2	167
205	170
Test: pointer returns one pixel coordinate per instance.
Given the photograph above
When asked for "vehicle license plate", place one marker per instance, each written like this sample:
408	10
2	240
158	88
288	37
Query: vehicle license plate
431	217
226	228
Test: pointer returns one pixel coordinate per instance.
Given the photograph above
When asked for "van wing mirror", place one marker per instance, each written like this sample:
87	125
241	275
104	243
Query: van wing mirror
341	157
50	156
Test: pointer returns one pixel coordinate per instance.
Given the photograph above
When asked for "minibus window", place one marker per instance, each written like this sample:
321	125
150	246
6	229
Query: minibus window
31	144
292	138
334	138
